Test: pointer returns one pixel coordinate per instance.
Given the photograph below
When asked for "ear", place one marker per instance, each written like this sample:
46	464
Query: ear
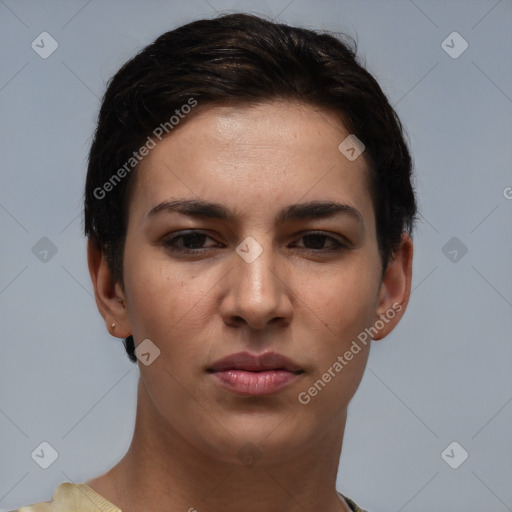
109	295
395	288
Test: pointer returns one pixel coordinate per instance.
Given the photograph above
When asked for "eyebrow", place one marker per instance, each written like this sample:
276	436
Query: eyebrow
302	211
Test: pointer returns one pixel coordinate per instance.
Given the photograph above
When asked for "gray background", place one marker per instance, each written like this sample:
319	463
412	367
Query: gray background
443	375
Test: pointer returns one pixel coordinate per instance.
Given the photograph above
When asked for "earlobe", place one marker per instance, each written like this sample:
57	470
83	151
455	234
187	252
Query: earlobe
395	289
108	294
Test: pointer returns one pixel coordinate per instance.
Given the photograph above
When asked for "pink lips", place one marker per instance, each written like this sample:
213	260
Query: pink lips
247	374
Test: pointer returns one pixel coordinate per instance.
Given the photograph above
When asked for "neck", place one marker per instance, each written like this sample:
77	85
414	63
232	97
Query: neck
162	470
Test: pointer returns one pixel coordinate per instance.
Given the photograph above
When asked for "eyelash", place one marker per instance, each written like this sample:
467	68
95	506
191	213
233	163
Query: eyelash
170	243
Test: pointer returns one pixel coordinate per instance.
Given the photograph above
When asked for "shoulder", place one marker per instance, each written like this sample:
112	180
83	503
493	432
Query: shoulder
352	504
73	498
37	507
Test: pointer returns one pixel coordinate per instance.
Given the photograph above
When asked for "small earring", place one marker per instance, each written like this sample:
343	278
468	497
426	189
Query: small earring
113	325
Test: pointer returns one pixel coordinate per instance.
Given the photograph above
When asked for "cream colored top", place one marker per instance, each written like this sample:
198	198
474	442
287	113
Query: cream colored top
81	498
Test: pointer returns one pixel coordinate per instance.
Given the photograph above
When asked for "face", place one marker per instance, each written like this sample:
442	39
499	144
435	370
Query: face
206	282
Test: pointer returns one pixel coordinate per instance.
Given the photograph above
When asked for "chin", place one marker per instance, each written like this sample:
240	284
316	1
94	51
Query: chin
265	440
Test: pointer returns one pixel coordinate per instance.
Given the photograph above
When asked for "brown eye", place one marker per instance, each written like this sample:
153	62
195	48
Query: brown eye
316	242
191	241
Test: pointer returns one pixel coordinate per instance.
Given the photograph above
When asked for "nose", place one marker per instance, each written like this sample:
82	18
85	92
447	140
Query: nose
257	291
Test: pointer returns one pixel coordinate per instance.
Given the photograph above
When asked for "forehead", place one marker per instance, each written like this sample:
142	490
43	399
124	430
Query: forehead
265	156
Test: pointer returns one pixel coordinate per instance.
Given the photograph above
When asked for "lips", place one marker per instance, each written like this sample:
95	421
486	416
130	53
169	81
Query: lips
255	363
261	375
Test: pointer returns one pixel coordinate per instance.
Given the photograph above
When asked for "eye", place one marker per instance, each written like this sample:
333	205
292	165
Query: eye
191	242
317	239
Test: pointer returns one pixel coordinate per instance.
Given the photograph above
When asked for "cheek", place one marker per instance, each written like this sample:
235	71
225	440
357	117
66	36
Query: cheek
169	302
344	301
344	307
159	293
344	304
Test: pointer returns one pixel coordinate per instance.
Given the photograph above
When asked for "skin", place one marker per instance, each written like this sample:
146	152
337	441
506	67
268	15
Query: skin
297	298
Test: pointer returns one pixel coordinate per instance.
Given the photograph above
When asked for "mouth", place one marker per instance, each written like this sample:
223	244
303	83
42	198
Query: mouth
255	363
246	374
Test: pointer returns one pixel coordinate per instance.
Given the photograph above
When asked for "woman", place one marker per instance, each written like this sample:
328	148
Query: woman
249	214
